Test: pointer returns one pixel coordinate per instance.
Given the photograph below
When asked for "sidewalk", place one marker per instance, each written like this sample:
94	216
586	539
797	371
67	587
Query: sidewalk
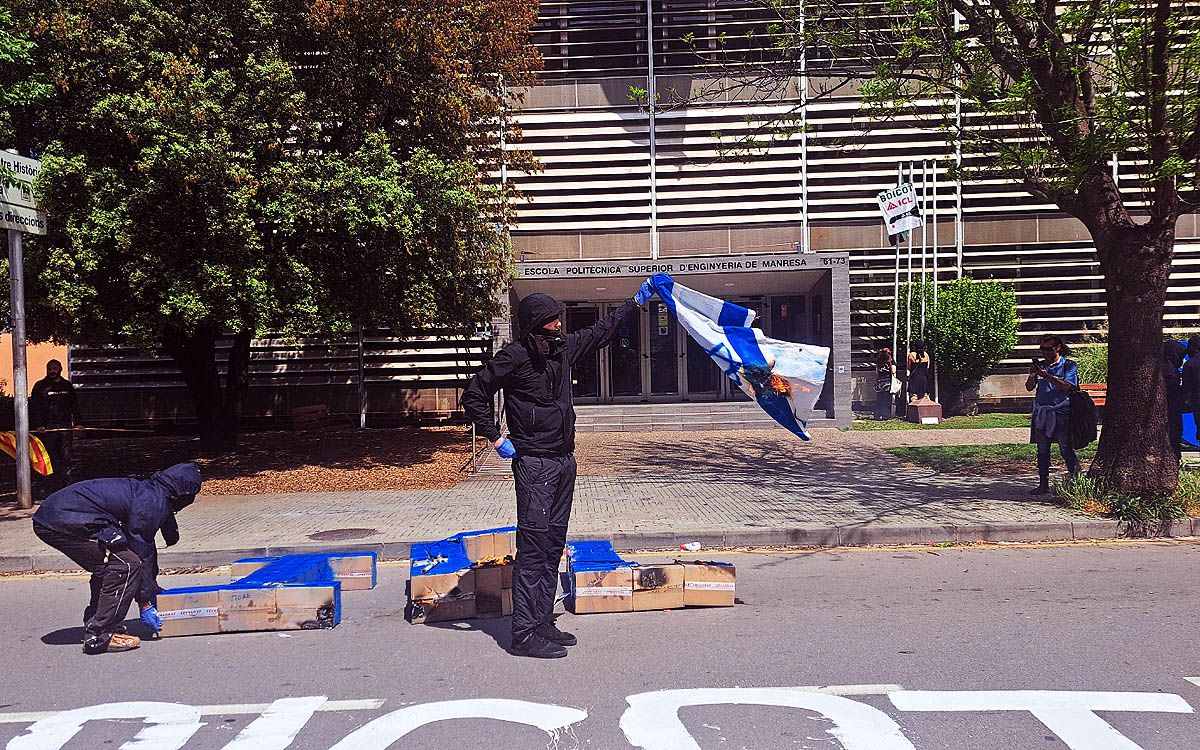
647	491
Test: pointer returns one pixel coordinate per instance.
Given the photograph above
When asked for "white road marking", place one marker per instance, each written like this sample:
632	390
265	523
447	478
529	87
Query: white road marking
227	709
278	726
1069	714
382	732
1193	680
168	726
652	720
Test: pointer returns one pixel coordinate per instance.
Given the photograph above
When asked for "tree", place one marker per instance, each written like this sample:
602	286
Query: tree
969	328
298	165
1055	89
20	84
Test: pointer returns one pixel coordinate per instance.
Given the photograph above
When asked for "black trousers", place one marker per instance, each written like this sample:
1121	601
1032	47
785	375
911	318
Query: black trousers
545	491
115	578
59	445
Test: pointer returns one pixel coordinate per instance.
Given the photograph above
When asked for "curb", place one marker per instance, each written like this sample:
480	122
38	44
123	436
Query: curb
848	535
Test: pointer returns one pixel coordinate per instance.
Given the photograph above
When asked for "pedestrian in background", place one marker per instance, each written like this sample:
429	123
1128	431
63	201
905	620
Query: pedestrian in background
885	376
54	416
1172	362
1191	377
918	371
1053	377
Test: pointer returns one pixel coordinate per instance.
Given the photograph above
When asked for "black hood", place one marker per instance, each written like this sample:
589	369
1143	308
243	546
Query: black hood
182	482
535	311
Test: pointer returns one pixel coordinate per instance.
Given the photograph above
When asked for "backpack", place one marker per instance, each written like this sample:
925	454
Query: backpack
1082	421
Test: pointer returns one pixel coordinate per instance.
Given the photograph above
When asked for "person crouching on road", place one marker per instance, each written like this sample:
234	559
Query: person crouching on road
535	373
1053	376
107	527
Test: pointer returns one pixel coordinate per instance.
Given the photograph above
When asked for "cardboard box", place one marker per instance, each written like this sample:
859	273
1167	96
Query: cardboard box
708	584
601	587
493	598
245	608
657	587
249	565
489	545
189	611
356	571
308	607
441	583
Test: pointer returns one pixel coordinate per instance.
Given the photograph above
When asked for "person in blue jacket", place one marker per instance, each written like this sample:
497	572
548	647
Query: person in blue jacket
107	527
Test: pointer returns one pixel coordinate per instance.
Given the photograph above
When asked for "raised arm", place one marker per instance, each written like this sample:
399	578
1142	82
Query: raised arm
478	399
584	342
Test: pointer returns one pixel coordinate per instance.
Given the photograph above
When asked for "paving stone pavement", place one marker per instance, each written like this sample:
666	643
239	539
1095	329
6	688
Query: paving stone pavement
652	490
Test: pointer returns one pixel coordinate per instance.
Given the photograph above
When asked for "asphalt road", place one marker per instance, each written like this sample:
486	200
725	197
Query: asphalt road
988	648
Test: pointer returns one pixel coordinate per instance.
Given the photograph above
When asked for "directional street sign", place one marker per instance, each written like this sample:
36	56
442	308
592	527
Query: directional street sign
18	207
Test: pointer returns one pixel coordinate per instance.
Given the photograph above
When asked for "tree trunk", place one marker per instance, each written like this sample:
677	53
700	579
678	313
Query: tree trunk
1135	454
218	409
958	400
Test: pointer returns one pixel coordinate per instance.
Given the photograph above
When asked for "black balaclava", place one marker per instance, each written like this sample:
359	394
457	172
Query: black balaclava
533	312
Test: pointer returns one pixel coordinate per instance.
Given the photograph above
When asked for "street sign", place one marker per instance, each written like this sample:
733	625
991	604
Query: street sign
24	171
900	208
21	219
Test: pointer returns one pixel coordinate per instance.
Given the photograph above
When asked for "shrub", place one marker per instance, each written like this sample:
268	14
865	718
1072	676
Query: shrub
1093	362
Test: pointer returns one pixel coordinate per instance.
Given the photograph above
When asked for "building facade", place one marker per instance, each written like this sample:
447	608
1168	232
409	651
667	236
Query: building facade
650	162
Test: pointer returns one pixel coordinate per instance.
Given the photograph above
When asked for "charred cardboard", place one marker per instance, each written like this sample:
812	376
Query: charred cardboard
658	586
281	607
493	591
441	582
601	587
488	544
708	583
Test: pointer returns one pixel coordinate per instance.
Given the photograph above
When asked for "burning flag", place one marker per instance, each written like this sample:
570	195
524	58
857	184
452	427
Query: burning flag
785	378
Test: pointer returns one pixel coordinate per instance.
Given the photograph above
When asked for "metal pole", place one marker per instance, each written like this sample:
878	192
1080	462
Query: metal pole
805	245
924	188
908	291
16	270
362	384
896	284
936	269
651	93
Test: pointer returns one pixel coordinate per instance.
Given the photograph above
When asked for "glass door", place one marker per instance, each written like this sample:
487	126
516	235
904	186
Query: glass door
585	375
664	350
623	359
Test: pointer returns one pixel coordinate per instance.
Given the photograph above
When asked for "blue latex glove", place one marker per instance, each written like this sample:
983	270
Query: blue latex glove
506	449
150	618
644	294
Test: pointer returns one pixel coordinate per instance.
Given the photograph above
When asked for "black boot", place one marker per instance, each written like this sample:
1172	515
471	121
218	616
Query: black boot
539	648
550	632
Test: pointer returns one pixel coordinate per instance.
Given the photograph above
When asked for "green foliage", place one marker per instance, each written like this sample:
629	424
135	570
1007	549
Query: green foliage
308	167
1093	362
1141	513
972	329
20	84
907	310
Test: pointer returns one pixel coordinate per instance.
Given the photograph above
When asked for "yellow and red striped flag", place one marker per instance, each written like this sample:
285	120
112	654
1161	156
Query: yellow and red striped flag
39	457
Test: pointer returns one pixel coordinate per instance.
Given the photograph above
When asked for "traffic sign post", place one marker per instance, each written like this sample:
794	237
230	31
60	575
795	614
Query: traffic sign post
19	214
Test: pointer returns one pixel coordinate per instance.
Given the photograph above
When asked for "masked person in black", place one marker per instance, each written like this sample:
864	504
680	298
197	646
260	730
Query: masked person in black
54	416
107	527
535	373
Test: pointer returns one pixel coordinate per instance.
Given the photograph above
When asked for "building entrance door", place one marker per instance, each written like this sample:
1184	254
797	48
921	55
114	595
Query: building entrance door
614	373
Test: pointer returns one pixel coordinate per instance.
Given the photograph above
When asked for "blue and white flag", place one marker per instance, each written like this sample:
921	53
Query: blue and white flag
785	378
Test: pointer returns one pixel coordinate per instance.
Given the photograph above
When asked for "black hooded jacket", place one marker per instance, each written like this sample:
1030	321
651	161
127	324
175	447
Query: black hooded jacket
535	373
139	508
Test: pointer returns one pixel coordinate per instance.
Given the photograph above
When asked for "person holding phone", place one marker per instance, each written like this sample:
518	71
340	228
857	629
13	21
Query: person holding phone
1053	376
